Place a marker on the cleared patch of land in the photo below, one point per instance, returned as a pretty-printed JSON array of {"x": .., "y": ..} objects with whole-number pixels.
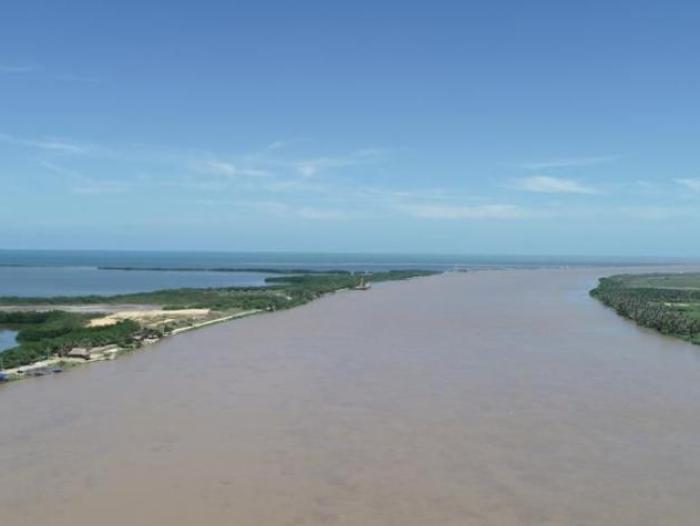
[{"x": 150, "y": 316}]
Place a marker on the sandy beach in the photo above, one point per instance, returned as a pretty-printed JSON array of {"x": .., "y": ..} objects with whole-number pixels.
[{"x": 484, "y": 398}]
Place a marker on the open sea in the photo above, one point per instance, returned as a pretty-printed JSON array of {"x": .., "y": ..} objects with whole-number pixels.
[{"x": 80, "y": 272}]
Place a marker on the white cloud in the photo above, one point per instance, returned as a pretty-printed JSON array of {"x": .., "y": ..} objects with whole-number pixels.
[
  {"x": 94, "y": 187},
  {"x": 690, "y": 184},
  {"x": 23, "y": 68},
  {"x": 33, "y": 68},
  {"x": 191, "y": 182},
  {"x": 552, "y": 185},
  {"x": 321, "y": 213},
  {"x": 81, "y": 184},
  {"x": 227, "y": 169},
  {"x": 50, "y": 144},
  {"x": 276, "y": 145},
  {"x": 645, "y": 185},
  {"x": 567, "y": 162},
  {"x": 69, "y": 77},
  {"x": 443, "y": 211},
  {"x": 280, "y": 209},
  {"x": 311, "y": 167},
  {"x": 660, "y": 212},
  {"x": 59, "y": 146},
  {"x": 59, "y": 169}
]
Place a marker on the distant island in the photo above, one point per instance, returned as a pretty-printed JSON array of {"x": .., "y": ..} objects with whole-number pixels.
[
  {"x": 54, "y": 332},
  {"x": 668, "y": 303}
]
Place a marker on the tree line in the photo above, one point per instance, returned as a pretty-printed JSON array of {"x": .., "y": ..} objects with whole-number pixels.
[{"x": 666, "y": 310}]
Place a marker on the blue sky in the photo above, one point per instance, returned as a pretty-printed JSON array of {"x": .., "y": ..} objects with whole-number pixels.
[{"x": 449, "y": 127}]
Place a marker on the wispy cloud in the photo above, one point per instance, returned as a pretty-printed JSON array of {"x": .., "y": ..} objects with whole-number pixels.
[
  {"x": 226, "y": 169},
  {"x": 286, "y": 210},
  {"x": 46, "y": 74},
  {"x": 81, "y": 184},
  {"x": 191, "y": 182},
  {"x": 276, "y": 186},
  {"x": 551, "y": 185},
  {"x": 60, "y": 170},
  {"x": 18, "y": 68},
  {"x": 69, "y": 77},
  {"x": 311, "y": 167},
  {"x": 277, "y": 145},
  {"x": 402, "y": 196},
  {"x": 323, "y": 214},
  {"x": 50, "y": 144},
  {"x": 445, "y": 211},
  {"x": 567, "y": 162},
  {"x": 59, "y": 145},
  {"x": 96, "y": 187},
  {"x": 690, "y": 184},
  {"x": 660, "y": 212}
]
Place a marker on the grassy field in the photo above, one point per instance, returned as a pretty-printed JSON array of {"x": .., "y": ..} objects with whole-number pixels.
[{"x": 669, "y": 303}]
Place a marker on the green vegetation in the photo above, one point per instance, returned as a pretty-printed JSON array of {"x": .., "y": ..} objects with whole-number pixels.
[
  {"x": 681, "y": 280},
  {"x": 282, "y": 292},
  {"x": 668, "y": 303},
  {"x": 304, "y": 288},
  {"x": 42, "y": 334}
]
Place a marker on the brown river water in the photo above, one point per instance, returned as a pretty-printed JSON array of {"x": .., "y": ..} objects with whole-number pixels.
[{"x": 494, "y": 398}]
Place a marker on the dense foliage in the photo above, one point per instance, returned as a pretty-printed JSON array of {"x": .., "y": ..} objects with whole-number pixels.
[
  {"x": 42, "y": 334},
  {"x": 47, "y": 325},
  {"x": 674, "y": 311}
]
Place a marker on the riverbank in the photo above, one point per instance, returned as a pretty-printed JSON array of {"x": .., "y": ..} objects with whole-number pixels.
[
  {"x": 102, "y": 353},
  {"x": 666, "y": 302},
  {"x": 52, "y": 331}
]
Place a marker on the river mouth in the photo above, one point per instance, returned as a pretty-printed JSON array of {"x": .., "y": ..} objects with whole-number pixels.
[{"x": 504, "y": 397}]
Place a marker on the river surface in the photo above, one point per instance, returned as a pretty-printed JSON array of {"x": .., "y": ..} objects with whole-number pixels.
[{"x": 483, "y": 398}]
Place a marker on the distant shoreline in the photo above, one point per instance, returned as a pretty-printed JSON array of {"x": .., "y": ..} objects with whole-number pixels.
[{"x": 277, "y": 270}]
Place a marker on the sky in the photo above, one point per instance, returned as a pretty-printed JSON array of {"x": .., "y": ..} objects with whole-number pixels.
[{"x": 456, "y": 127}]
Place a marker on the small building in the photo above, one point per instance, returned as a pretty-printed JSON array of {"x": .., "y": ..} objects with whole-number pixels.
[{"x": 79, "y": 352}]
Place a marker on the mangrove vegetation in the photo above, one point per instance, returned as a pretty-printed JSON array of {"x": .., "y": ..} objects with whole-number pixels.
[{"x": 668, "y": 303}]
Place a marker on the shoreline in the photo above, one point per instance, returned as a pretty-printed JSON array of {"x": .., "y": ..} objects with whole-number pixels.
[
  {"x": 112, "y": 351},
  {"x": 653, "y": 301},
  {"x": 152, "y": 322},
  {"x": 105, "y": 353}
]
